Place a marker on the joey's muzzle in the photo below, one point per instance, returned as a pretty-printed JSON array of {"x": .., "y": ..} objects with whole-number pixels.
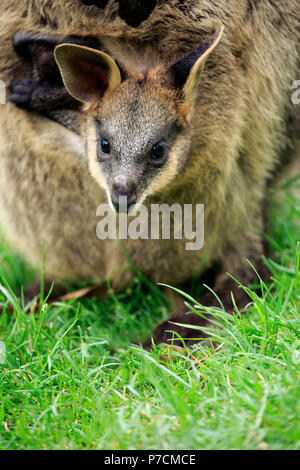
[{"x": 123, "y": 194}]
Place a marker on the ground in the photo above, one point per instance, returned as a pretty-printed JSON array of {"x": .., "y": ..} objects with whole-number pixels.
[{"x": 70, "y": 378}]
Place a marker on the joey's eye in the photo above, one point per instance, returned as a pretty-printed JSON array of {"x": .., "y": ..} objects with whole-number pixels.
[
  {"x": 104, "y": 146},
  {"x": 158, "y": 154}
]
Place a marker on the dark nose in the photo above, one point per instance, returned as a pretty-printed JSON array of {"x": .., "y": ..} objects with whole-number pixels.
[{"x": 123, "y": 194}]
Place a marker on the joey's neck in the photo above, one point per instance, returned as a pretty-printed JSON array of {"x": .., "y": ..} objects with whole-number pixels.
[{"x": 195, "y": 185}]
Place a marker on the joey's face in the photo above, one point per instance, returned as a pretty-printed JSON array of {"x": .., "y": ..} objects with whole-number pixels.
[
  {"x": 138, "y": 125},
  {"x": 134, "y": 143}
]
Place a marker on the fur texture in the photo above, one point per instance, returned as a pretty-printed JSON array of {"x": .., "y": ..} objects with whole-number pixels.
[{"x": 237, "y": 134}]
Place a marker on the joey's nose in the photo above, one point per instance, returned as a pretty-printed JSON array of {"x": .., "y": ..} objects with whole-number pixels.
[{"x": 123, "y": 193}]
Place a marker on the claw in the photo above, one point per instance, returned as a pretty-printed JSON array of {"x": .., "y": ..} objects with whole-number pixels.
[
  {"x": 18, "y": 100},
  {"x": 22, "y": 92}
]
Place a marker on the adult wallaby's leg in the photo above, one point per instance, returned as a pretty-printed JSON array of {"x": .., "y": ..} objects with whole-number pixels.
[
  {"x": 34, "y": 290},
  {"x": 168, "y": 332},
  {"x": 225, "y": 288},
  {"x": 44, "y": 91}
]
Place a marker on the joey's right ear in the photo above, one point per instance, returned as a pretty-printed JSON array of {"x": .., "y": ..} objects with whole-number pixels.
[{"x": 86, "y": 73}]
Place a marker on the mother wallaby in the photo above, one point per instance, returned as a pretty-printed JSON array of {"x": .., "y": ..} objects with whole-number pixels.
[{"x": 191, "y": 106}]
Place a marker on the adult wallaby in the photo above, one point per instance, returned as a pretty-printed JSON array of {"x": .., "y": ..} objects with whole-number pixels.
[{"x": 193, "y": 106}]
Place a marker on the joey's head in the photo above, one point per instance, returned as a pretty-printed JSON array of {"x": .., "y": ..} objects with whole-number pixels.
[{"x": 138, "y": 125}]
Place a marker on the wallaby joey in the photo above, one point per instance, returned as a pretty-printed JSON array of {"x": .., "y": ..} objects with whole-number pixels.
[{"x": 191, "y": 107}]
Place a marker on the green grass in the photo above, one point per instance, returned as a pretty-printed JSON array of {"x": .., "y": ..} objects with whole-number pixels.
[{"x": 72, "y": 380}]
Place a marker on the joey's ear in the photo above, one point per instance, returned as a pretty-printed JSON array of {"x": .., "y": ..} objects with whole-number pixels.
[
  {"x": 86, "y": 73},
  {"x": 186, "y": 71}
]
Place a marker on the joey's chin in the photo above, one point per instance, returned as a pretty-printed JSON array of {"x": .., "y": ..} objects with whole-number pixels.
[
  {"x": 131, "y": 211},
  {"x": 123, "y": 205}
]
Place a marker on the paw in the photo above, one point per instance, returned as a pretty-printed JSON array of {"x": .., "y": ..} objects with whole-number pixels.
[
  {"x": 170, "y": 333},
  {"x": 22, "y": 92},
  {"x": 133, "y": 12},
  {"x": 97, "y": 3},
  {"x": 33, "y": 290},
  {"x": 179, "y": 335}
]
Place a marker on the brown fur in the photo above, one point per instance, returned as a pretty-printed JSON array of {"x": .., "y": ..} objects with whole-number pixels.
[{"x": 47, "y": 195}]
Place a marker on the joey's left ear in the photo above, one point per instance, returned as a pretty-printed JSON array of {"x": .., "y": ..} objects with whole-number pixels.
[{"x": 187, "y": 71}]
